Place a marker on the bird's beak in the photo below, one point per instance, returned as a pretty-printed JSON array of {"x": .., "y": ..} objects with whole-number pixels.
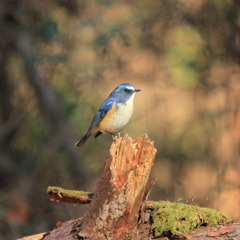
[{"x": 137, "y": 90}]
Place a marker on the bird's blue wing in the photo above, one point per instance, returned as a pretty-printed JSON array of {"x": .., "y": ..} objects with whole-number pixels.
[{"x": 101, "y": 113}]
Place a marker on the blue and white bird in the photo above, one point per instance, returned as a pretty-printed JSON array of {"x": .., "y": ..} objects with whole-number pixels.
[{"x": 114, "y": 113}]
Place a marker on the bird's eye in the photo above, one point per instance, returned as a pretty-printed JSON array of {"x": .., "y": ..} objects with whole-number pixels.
[{"x": 127, "y": 90}]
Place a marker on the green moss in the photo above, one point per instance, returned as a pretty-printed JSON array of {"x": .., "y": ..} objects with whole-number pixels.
[
  {"x": 60, "y": 191},
  {"x": 180, "y": 219}
]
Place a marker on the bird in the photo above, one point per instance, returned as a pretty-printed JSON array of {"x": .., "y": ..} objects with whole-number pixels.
[{"x": 114, "y": 113}]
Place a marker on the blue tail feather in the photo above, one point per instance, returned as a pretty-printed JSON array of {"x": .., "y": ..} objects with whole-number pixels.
[{"x": 83, "y": 139}]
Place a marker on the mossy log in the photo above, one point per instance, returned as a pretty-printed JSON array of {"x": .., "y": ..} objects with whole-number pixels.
[
  {"x": 118, "y": 208},
  {"x": 179, "y": 219},
  {"x": 58, "y": 194}
]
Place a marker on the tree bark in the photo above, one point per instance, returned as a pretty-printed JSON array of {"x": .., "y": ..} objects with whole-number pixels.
[{"x": 114, "y": 210}]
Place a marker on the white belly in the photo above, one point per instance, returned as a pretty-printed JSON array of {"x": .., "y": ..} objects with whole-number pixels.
[{"x": 119, "y": 118}]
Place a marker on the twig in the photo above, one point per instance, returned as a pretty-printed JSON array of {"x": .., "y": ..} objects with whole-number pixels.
[{"x": 58, "y": 194}]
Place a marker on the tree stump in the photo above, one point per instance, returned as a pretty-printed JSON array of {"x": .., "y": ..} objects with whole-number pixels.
[{"x": 114, "y": 210}]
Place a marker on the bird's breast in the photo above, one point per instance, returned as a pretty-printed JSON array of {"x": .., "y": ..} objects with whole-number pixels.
[{"x": 118, "y": 118}]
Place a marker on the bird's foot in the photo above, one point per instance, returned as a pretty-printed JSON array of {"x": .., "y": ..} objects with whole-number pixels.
[{"x": 115, "y": 136}]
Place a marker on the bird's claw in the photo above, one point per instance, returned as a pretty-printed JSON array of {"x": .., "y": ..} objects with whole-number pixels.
[{"x": 115, "y": 136}]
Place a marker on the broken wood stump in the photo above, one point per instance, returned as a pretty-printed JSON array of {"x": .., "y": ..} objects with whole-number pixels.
[
  {"x": 114, "y": 210},
  {"x": 121, "y": 189}
]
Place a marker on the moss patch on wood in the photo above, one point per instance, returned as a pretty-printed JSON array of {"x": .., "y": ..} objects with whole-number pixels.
[
  {"x": 180, "y": 219},
  {"x": 60, "y": 191},
  {"x": 59, "y": 194}
]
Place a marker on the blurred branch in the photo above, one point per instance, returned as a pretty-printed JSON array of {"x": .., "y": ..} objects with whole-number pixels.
[
  {"x": 10, "y": 122},
  {"x": 11, "y": 125},
  {"x": 49, "y": 106}
]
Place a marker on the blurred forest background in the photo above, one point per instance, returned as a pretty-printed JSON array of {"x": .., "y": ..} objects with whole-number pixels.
[{"x": 60, "y": 59}]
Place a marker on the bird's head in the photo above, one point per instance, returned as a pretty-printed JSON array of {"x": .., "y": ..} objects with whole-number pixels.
[{"x": 124, "y": 92}]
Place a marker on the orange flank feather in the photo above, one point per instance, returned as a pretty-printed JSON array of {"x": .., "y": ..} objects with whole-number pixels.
[{"x": 106, "y": 120}]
